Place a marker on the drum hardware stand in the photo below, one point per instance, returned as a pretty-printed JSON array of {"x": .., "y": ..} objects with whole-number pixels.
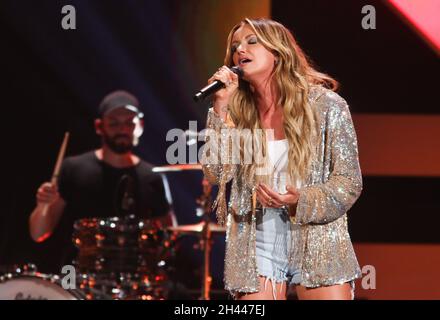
[
  {"x": 205, "y": 203},
  {"x": 204, "y": 209}
]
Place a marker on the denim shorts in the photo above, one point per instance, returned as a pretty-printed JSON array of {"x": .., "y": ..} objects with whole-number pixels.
[{"x": 274, "y": 245}]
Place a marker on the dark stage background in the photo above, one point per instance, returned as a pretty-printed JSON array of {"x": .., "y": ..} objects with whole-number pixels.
[{"x": 162, "y": 51}]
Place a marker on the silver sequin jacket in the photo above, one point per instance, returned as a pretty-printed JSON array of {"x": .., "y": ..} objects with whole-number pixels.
[{"x": 323, "y": 248}]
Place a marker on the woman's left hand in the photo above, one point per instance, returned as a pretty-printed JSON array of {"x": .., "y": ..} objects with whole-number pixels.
[{"x": 272, "y": 199}]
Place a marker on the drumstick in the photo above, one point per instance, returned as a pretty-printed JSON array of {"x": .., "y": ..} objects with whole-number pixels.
[
  {"x": 56, "y": 170},
  {"x": 60, "y": 158}
]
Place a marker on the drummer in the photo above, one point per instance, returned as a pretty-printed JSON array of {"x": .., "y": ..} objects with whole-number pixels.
[{"x": 107, "y": 182}]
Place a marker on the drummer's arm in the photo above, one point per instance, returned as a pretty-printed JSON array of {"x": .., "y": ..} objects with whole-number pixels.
[{"x": 43, "y": 221}]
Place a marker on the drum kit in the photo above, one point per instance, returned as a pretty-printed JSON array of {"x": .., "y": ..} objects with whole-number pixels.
[{"x": 120, "y": 258}]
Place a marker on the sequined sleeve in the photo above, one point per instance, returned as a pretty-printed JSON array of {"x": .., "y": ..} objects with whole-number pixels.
[
  {"x": 326, "y": 202},
  {"x": 213, "y": 152},
  {"x": 216, "y": 160}
]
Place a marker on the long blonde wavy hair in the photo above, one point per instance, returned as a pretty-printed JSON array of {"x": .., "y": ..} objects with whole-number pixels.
[{"x": 293, "y": 75}]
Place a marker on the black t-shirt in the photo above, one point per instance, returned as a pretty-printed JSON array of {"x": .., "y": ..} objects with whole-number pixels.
[{"x": 92, "y": 188}]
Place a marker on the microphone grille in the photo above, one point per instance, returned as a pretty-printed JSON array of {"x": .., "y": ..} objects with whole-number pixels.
[{"x": 238, "y": 71}]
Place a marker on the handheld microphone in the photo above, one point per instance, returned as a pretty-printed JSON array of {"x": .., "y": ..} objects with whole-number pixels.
[{"x": 215, "y": 86}]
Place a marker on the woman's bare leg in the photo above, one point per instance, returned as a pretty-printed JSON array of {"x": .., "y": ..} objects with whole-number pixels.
[
  {"x": 266, "y": 293},
  {"x": 336, "y": 292}
]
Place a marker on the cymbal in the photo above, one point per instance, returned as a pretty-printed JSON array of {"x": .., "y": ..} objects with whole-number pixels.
[
  {"x": 178, "y": 167},
  {"x": 197, "y": 228}
]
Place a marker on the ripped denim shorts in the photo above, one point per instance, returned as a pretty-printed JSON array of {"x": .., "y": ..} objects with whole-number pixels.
[{"x": 273, "y": 247}]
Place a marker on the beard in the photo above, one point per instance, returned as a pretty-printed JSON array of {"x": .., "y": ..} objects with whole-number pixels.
[{"x": 118, "y": 147}]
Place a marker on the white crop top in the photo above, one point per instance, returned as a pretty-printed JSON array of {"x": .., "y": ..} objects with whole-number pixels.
[
  {"x": 278, "y": 156},
  {"x": 278, "y": 152}
]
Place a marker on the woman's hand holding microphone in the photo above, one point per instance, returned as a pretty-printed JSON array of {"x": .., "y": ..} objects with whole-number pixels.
[{"x": 222, "y": 96}]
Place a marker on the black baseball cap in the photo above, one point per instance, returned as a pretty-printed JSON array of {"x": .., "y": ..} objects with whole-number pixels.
[{"x": 119, "y": 99}]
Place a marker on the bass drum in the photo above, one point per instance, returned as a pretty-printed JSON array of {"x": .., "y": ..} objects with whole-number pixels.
[{"x": 35, "y": 286}]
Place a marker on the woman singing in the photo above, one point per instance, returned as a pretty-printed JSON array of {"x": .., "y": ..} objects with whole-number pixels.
[{"x": 287, "y": 215}]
